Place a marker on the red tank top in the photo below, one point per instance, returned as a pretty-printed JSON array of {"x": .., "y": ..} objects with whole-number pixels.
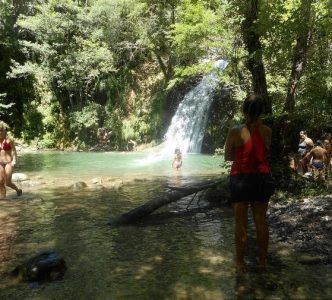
[
  {"x": 251, "y": 157},
  {"x": 5, "y": 145}
]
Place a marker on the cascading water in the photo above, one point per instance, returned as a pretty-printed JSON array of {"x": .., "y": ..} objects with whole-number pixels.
[{"x": 188, "y": 124}]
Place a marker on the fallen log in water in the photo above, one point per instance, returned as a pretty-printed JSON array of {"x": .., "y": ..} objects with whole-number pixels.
[{"x": 171, "y": 195}]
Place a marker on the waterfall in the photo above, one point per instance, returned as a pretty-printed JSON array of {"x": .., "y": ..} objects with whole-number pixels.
[{"x": 188, "y": 124}]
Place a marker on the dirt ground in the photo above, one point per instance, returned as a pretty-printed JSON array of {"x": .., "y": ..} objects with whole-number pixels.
[{"x": 304, "y": 225}]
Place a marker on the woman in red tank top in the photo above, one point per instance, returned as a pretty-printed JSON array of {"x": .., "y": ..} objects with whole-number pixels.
[
  {"x": 247, "y": 147},
  {"x": 8, "y": 158}
]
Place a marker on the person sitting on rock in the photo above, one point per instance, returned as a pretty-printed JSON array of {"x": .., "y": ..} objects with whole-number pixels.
[{"x": 8, "y": 160}]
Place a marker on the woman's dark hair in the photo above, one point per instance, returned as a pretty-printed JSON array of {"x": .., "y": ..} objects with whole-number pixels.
[{"x": 253, "y": 106}]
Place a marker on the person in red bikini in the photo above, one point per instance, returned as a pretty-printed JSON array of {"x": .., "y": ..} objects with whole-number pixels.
[
  {"x": 8, "y": 159},
  {"x": 247, "y": 146}
]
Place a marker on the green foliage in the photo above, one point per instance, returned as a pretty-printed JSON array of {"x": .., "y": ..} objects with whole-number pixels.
[
  {"x": 33, "y": 124},
  {"x": 85, "y": 123},
  {"x": 67, "y": 50},
  {"x": 71, "y": 67},
  {"x": 198, "y": 34},
  {"x": 4, "y": 108},
  {"x": 13, "y": 91}
]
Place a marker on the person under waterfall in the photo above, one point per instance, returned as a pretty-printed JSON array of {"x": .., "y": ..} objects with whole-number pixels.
[
  {"x": 8, "y": 159},
  {"x": 177, "y": 160},
  {"x": 247, "y": 146}
]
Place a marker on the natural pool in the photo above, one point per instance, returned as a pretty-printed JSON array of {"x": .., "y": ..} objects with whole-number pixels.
[{"x": 177, "y": 253}]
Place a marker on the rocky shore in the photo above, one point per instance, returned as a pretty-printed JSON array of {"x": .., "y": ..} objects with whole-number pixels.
[{"x": 304, "y": 225}]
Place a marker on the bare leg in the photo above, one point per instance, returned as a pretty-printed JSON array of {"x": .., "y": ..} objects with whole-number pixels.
[
  {"x": 259, "y": 212},
  {"x": 8, "y": 173},
  {"x": 2, "y": 183},
  {"x": 241, "y": 223}
]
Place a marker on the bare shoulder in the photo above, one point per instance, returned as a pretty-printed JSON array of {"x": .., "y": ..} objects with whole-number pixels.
[
  {"x": 10, "y": 140},
  {"x": 309, "y": 141}
]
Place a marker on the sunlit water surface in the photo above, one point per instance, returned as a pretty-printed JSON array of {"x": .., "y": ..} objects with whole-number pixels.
[{"x": 179, "y": 252}]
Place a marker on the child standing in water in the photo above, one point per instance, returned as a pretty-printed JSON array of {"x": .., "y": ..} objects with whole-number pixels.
[{"x": 177, "y": 161}]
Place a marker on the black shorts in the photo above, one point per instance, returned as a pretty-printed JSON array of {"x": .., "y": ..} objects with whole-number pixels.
[{"x": 246, "y": 188}]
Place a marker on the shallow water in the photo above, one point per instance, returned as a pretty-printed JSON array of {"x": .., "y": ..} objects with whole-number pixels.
[{"x": 177, "y": 253}]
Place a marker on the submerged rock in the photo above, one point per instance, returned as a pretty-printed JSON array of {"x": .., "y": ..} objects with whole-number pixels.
[
  {"x": 97, "y": 180},
  {"x": 116, "y": 184},
  {"x": 78, "y": 186},
  {"x": 45, "y": 266}
]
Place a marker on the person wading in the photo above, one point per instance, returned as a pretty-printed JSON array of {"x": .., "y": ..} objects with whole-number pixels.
[
  {"x": 247, "y": 146},
  {"x": 8, "y": 159}
]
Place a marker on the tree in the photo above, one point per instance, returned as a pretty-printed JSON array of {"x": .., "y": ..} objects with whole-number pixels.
[
  {"x": 251, "y": 37},
  {"x": 14, "y": 93},
  {"x": 67, "y": 54},
  {"x": 300, "y": 51}
]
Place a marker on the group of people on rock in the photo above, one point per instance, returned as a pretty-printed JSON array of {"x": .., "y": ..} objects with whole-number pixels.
[{"x": 314, "y": 159}]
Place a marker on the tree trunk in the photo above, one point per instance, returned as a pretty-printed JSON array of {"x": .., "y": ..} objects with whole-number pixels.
[
  {"x": 162, "y": 65},
  {"x": 254, "y": 47},
  {"x": 170, "y": 196},
  {"x": 300, "y": 53},
  {"x": 62, "y": 126}
]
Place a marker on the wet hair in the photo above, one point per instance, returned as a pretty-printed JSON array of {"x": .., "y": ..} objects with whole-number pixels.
[{"x": 253, "y": 107}]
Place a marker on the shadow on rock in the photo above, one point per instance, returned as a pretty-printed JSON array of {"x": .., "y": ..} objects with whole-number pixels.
[{"x": 45, "y": 266}]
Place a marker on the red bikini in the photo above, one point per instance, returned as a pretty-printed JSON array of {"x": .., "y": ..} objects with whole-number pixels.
[
  {"x": 251, "y": 157},
  {"x": 5, "y": 145}
]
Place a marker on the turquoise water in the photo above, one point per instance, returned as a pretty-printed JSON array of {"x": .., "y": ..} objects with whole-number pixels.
[
  {"x": 179, "y": 252},
  {"x": 115, "y": 164}
]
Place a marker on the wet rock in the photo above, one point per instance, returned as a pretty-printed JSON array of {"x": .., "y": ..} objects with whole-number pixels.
[
  {"x": 116, "y": 184},
  {"x": 217, "y": 196},
  {"x": 97, "y": 180},
  {"x": 19, "y": 177},
  {"x": 78, "y": 186},
  {"x": 140, "y": 179},
  {"x": 98, "y": 187},
  {"x": 45, "y": 266},
  {"x": 32, "y": 183}
]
